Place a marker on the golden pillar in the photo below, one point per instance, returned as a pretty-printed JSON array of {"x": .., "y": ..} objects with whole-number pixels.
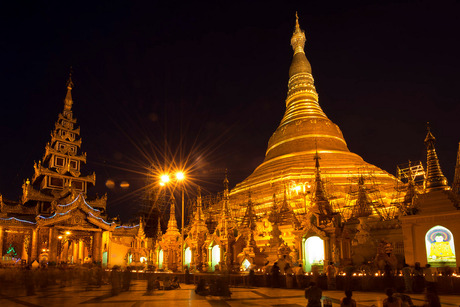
[
  {"x": 34, "y": 252},
  {"x": 53, "y": 245},
  {"x": 81, "y": 255},
  {"x": 75, "y": 252},
  {"x": 97, "y": 250},
  {"x": 2, "y": 231}
]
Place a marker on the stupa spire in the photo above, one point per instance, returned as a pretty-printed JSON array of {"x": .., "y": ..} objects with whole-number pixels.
[
  {"x": 159, "y": 232},
  {"x": 172, "y": 223},
  {"x": 435, "y": 179},
  {"x": 68, "y": 101},
  {"x": 199, "y": 206}
]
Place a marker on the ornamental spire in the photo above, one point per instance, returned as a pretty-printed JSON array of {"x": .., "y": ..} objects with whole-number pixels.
[
  {"x": 199, "y": 212},
  {"x": 435, "y": 179},
  {"x": 298, "y": 38},
  {"x": 68, "y": 97},
  {"x": 172, "y": 223}
]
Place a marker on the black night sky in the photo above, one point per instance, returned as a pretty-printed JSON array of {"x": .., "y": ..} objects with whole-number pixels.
[{"x": 211, "y": 79}]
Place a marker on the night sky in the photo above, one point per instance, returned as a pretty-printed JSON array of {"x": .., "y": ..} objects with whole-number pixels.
[{"x": 209, "y": 80}]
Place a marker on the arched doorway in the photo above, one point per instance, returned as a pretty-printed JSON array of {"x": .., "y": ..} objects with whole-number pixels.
[
  {"x": 160, "y": 259},
  {"x": 215, "y": 257},
  {"x": 187, "y": 256},
  {"x": 440, "y": 248},
  {"x": 313, "y": 252}
]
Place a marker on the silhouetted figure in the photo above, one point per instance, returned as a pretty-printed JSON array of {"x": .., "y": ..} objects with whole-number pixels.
[
  {"x": 313, "y": 294},
  {"x": 407, "y": 275},
  {"x": 391, "y": 301},
  {"x": 115, "y": 280},
  {"x": 300, "y": 277},
  {"x": 431, "y": 297},
  {"x": 331, "y": 272},
  {"x": 150, "y": 283},
  {"x": 252, "y": 278},
  {"x": 187, "y": 276},
  {"x": 175, "y": 283},
  {"x": 347, "y": 301},
  {"x": 29, "y": 281},
  {"x": 406, "y": 301},
  {"x": 430, "y": 278},
  {"x": 289, "y": 276},
  {"x": 126, "y": 279},
  {"x": 275, "y": 272},
  {"x": 419, "y": 280},
  {"x": 201, "y": 288},
  {"x": 388, "y": 275}
]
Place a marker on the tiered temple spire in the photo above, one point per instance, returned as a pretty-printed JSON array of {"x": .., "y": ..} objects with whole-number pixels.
[
  {"x": 172, "y": 223},
  {"x": 59, "y": 174},
  {"x": 435, "y": 179}
]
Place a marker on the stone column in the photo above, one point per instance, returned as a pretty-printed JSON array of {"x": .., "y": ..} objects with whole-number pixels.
[
  {"x": 34, "y": 249},
  {"x": 2, "y": 231},
  {"x": 97, "y": 248},
  {"x": 53, "y": 245}
]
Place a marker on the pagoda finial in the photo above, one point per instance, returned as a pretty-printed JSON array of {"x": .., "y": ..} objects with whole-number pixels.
[
  {"x": 159, "y": 232},
  {"x": 298, "y": 38},
  {"x": 68, "y": 97},
  {"x": 435, "y": 179},
  {"x": 226, "y": 181},
  {"x": 199, "y": 213},
  {"x": 172, "y": 223}
]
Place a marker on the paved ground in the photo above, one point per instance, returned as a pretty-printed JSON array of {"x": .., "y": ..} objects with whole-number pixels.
[{"x": 72, "y": 296}]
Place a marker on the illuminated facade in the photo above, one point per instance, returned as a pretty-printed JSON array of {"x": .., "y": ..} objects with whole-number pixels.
[{"x": 54, "y": 221}]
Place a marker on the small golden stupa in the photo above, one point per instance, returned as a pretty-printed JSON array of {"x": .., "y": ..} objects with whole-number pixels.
[{"x": 304, "y": 131}]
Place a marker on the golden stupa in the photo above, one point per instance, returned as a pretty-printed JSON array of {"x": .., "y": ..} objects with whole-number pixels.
[{"x": 304, "y": 131}]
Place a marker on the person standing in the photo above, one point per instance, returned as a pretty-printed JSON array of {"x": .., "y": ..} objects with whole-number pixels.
[
  {"x": 275, "y": 275},
  {"x": 331, "y": 272},
  {"x": 430, "y": 278},
  {"x": 407, "y": 275},
  {"x": 419, "y": 281},
  {"x": 313, "y": 294}
]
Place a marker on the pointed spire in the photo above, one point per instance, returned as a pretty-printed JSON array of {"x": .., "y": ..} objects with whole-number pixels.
[
  {"x": 199, "y": 210},
  {"x": 172, "y": 223},
  {"x": 456, "y": 182},
  {"x": 435, "y": 179},
  {"x": 225, "y": 212},
  {"x": 68, "y": 97},
  {"x": 159, "y": 232},
  {"x": 363, "y": 204},
  {"x": 298, "y": 38}
]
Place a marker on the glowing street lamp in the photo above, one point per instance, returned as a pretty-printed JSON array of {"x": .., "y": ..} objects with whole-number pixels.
[{"x": 179, "y": 179}]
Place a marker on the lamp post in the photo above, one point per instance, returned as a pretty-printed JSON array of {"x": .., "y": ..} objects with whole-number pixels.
[{"x": 179, "y": 180}]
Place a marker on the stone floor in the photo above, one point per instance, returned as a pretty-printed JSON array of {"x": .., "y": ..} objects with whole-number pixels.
[{"x": 71, "y": 296}]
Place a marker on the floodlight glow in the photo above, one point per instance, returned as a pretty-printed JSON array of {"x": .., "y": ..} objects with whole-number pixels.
[
  {"x": 162, "y": 183},
  {"x": 164, "y": 178},
  {"x": 180, "y": 176}
]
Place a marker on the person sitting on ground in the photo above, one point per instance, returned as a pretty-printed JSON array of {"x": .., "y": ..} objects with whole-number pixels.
[
  {"x": 201, "y": 288},
  {"x": 156, "y": 284},
  {"x": 167, "y": 284},
  {"x": 175, "y": 283},
  {"x": 347, "y": 301},
  {"x": 391, "y": 301},
  {"x": 313, "y": 294},
  {"x": 406, "y": 301},
  {"x": 431, "y": 297}
]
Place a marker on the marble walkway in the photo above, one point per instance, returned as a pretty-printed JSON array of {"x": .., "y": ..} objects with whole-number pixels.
[{"x": 73, "y": 296}]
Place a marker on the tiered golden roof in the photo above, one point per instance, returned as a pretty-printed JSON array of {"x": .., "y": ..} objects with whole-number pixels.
[{"x": 304, "y": 130}]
